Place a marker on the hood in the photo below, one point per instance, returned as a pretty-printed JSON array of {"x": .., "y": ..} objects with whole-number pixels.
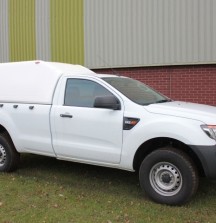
[{"x": 203, "y": 113}]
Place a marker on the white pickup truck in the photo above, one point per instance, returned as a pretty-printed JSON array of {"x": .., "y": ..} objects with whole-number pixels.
[{"x": 71, "y": 113}]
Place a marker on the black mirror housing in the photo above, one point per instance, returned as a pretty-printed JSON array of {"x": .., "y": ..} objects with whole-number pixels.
[{"x": 108, "y": 102}]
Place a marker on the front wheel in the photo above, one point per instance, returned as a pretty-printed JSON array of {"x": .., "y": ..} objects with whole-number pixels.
[{"x": 168, "y": 176}]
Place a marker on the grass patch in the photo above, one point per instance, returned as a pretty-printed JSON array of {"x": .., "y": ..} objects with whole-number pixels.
[{"x": 46, "y": 190}]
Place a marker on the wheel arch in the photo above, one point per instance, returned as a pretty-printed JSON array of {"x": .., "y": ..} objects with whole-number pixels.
[
  {"x": 156, "y": 143},
  {"x": 3, "y": 130},
  {"x": 10, "y": 157}
]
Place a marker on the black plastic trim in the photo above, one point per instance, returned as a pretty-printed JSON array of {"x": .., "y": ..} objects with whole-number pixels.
[
  {"x": 207, "y": 156},
  {"x": 127, "y": 122}
]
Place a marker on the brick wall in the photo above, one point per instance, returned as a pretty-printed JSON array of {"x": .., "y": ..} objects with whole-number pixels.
[{"x": 195, "y": 83}]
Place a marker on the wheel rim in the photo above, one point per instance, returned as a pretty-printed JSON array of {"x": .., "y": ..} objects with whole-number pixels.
[
  {"x": 2, "y": 155},
  {"x": 165, "y": 179}
]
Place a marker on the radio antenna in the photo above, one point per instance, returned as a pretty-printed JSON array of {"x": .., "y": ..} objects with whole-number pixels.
[{"x": 108, "y": 65}]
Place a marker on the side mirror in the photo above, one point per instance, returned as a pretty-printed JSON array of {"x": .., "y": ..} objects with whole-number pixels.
[{"x": 108, "y": 102}]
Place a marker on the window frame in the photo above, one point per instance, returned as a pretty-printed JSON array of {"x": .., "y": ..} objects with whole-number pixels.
[{"x": 85, "y": 79}]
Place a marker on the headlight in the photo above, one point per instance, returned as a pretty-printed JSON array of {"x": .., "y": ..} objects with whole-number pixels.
[{"x": 210, "y": 130}]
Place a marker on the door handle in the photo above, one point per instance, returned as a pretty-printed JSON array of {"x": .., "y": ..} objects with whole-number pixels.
[{"x": 66, "y": 116}]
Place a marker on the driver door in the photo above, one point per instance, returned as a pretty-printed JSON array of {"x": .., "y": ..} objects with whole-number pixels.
[{"x": 82, "y": 132}]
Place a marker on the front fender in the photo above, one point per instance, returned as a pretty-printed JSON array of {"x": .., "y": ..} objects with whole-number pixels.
[{"x": 152, "y": 126}]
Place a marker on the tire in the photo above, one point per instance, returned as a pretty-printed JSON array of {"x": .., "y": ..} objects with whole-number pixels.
[
  {"x": 168, "y": 176},
  {"x": 9, "y": 157}
]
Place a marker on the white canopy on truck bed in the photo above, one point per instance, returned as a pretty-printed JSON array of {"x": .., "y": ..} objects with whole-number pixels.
[{"x": 33, "y": 81}]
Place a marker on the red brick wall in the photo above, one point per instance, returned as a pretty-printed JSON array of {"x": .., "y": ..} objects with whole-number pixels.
[{"x": 186, "y": 83}]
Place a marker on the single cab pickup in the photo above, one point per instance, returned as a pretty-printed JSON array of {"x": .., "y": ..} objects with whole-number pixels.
[{"x": 71, "y": 113}]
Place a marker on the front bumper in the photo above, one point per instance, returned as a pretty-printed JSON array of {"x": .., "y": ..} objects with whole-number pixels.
[{"x": 207, "y": 157}]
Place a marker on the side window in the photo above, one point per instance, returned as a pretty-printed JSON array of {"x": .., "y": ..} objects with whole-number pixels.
[{"x": 82, "y": 93}]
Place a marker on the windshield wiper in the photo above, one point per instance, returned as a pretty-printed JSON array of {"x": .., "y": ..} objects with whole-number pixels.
[{"x": 162, "y": 101}]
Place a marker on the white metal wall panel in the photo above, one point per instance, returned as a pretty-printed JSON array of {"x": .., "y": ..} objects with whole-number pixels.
[
  {"x": 4, "y": 39},
  {"x": 42, "y": 13},
  {"x": 123, "y": 33}
]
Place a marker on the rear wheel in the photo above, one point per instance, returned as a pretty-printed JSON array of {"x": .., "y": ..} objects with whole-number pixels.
[
  {"x": 168, "y": 176},
  {"x": 9, "y": 157}
]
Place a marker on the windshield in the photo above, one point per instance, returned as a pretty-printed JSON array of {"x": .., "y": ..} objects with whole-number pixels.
[{"x": 136, "y": 91}]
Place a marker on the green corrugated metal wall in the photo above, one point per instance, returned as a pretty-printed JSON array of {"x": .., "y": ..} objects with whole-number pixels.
[
  {"x": 67, "y": 41},
  {"x": 21, "y": 30},
  {"x": 66, "y": 30},
  {"x": 102, "y": 33}
]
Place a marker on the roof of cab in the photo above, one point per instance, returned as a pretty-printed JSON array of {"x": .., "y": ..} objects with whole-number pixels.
[{"x": 34, "y": 81}]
